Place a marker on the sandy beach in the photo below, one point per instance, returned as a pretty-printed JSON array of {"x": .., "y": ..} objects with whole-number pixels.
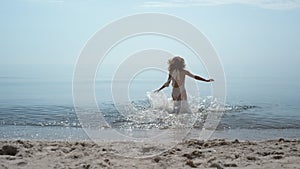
[{"x": 218, "y": 153}]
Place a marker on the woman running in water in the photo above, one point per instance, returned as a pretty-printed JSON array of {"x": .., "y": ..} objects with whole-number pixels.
[{"x": 177, "y": 75}]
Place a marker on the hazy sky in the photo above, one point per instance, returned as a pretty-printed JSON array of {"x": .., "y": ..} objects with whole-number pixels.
[{"x": 252, "y": 37}]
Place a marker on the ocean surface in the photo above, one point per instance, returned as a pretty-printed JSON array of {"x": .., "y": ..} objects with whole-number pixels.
[{"x": 42, "y": 108}]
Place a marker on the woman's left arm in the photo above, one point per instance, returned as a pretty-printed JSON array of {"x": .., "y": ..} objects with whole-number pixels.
[{"x": 198, "y": 77}]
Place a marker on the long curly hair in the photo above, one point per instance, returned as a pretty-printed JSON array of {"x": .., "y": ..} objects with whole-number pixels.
[{"x": 176, "y": 62}]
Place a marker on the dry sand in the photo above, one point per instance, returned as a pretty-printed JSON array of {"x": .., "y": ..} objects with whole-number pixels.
[{"x": 187, "y": 154}]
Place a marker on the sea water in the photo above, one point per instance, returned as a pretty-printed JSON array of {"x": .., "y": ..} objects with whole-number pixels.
[{"x": 42, "y": 108}]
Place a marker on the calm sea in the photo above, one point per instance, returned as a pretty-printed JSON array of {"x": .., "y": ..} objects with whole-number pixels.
[{"x": 41, "y": 108}]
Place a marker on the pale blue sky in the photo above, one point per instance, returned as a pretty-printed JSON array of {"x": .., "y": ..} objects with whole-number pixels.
[{"x": 254, "y": 38}]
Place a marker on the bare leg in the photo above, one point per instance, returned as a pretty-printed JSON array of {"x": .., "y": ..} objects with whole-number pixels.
[
  {"x": 176, "y": 107},
  {"x": 178, "y": 95}
]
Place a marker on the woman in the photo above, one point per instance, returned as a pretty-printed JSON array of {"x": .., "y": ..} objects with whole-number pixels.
[{"x": 177, "y": 75}]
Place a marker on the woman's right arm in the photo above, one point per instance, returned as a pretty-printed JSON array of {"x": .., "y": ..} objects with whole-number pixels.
[{"x": 164, "y": 85}]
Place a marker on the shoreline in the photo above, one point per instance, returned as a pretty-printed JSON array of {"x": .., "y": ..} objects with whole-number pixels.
[
  {"x": 78, "y": 134},
  {"x": 191, "y": 153}
]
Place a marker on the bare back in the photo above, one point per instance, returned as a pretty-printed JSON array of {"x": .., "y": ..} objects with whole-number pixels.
[{"x": 179, "y": 79}]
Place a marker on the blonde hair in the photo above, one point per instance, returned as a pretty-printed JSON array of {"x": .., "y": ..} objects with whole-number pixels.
[{"x": 176, "y": 62}]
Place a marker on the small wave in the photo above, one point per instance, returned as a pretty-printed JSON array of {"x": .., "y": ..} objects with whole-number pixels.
[
  {"x": 38, "y": 115},
  {"x": 239, "y": 108}
]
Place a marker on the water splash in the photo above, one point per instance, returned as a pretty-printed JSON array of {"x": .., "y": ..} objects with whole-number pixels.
[{"x": 158, "y": 113}]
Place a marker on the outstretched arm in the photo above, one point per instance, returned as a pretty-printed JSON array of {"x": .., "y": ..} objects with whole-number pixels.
[
  {"x": 198, "y": 77},
  {"x": 164, "y": 85}
]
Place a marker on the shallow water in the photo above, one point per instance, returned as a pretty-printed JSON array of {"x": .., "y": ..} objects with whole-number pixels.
[
  {"x": 145, "y": 114},
  {"x": 34, "y": 104}
]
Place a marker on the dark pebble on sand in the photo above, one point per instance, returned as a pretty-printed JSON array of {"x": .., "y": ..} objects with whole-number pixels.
[
  {"x": 236, "y": 141},
  {"x": 157, "y": 159},
  {"x": 11, "y": 158},
  {"x": 9, "y": 150},
  {"x": 178, "y": 149},
  {"x": 222, "y": 143},
  {"x": 193, "y": 154},
  {"x": 107, "y": 161},
  {"x": 195, "y": 143},
  {"x": 197, "y": 153},
  {"x": 21, "y": 163},
  {"x": 277, "y": 157},
  {"x": 191, "y": 163},
  {"x": 85, "y": 166},
  {"x": 25, "y": 144},
  {"x": 278, "y": 153},
  {"x": 230, "y": 165},
  {"x": 189, "y": 156},
  {"x": 76, "y": 156},
  {"x": 263, "y": 153},
  {"x": 211, "y": 159},
  {"x": 216, "y": 165},
  {"x": 252, "y": 158},
  {"x": 206, "y": 144}
]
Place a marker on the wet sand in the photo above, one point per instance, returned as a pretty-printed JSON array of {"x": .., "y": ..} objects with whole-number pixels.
[{"x": 193, "y": 153}]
